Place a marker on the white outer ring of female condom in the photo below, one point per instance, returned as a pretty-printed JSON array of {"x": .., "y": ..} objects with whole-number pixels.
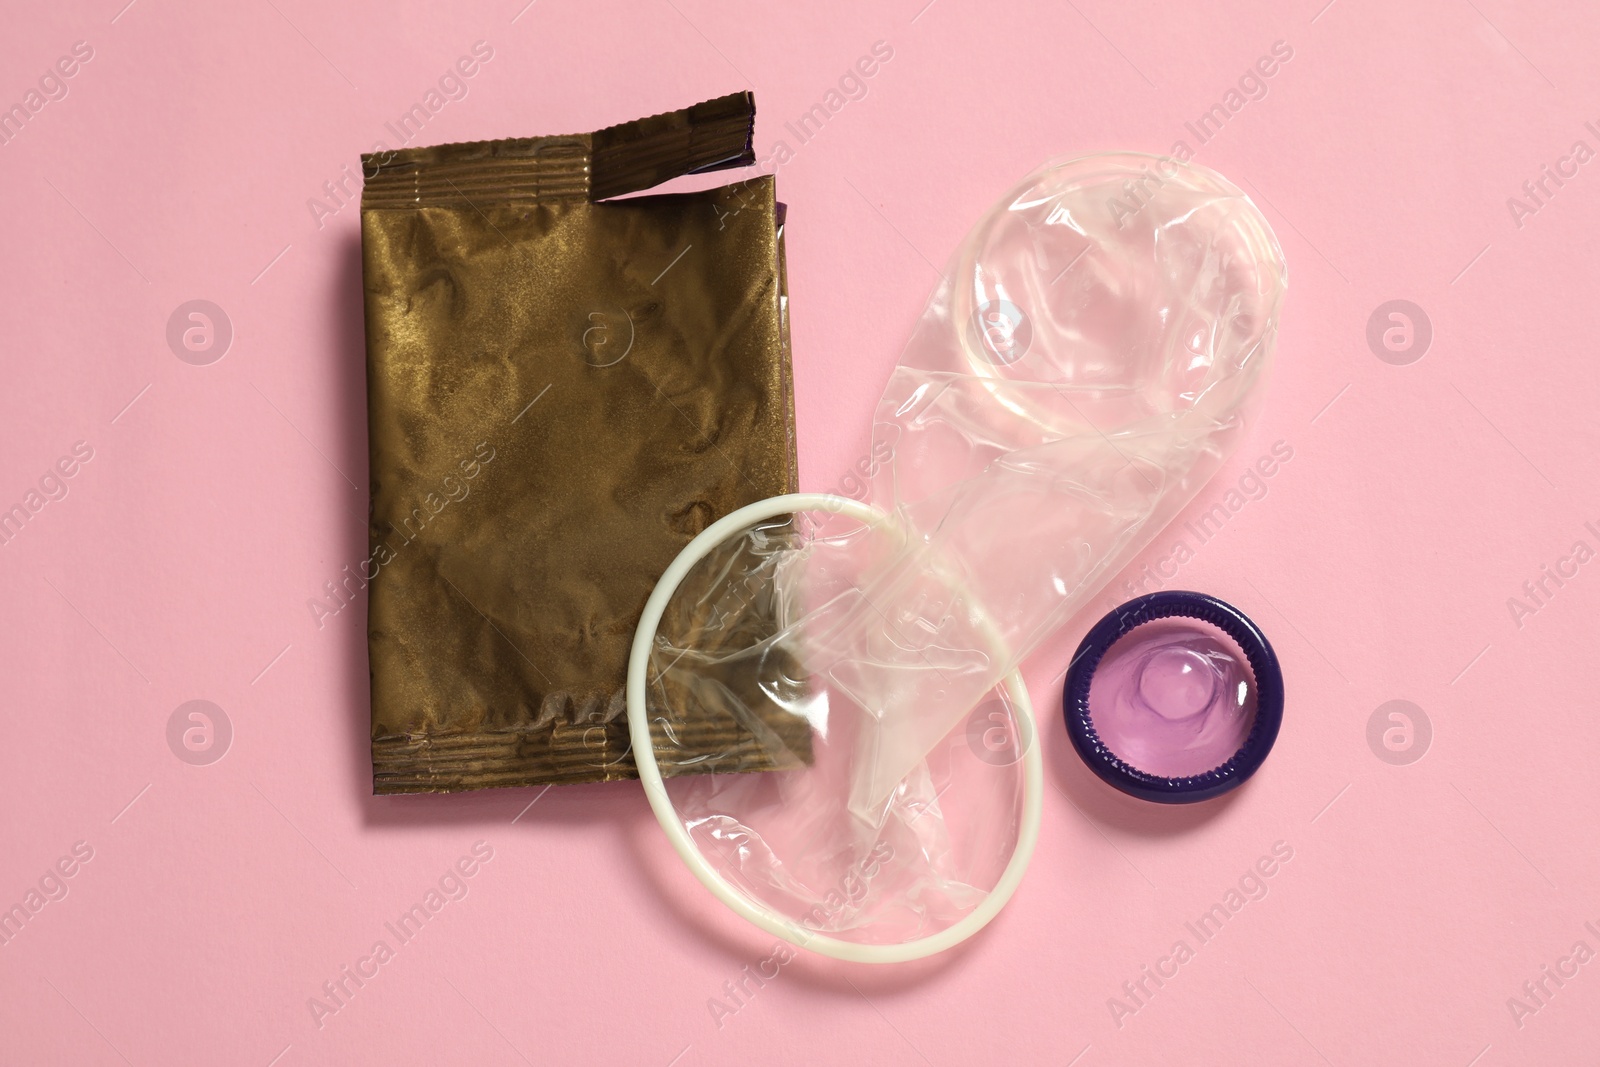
[{"x": 655, "y": 788}]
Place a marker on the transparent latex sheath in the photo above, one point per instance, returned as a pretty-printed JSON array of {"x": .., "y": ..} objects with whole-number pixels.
[{"x": 1095, "y": 352}]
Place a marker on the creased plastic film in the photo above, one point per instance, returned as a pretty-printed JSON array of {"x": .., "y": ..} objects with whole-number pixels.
[{"x": 1093, "y": 354}]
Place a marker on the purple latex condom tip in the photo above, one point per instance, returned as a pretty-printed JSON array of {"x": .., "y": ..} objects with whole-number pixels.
[{"x": 1174, "y": 697}]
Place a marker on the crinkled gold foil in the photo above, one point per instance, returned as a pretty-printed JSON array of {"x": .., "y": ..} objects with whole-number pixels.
[{"x": 562, "y": 392}]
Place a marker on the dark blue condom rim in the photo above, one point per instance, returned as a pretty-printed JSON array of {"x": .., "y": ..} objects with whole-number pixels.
[{"x": 1169, "y": 604}]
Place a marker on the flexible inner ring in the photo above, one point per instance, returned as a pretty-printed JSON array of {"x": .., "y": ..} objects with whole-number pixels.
[{"x": 655, "y": 788}]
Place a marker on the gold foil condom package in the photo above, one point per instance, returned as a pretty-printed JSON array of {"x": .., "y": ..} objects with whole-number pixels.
[
  {"x": 1095, "y": 351},
  {"x": 564, "y": 388}
]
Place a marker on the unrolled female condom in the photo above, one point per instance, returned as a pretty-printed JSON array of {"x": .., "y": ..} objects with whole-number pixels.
[{"x": 1094, "y": 353}]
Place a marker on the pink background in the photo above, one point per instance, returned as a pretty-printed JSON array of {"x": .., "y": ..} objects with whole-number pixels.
[{"x": 1419, "y": 498}]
